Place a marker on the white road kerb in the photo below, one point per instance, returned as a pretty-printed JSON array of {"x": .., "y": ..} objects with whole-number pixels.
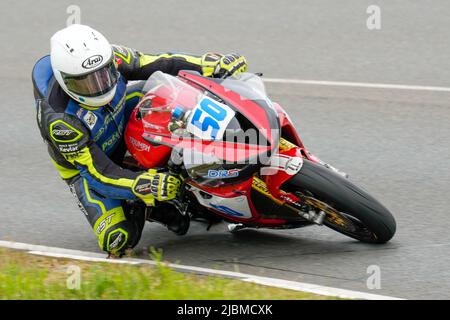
[{"x": 273, "y": 282}]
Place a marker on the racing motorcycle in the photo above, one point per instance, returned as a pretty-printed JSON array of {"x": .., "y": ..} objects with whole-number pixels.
[{"x": 242, "y": 159}]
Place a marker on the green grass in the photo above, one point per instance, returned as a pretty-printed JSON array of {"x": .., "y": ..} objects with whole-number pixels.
[{"x": 25, "y": 276}]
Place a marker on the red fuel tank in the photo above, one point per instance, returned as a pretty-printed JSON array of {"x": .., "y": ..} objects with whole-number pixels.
[{"x": 149, "y": 155}]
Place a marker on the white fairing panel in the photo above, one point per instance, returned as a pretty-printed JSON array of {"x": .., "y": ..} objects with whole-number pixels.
[{"x": 234, "y": 207}]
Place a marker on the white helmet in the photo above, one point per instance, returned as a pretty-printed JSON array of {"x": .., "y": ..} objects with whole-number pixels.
[{"x": 83, "y": 64}]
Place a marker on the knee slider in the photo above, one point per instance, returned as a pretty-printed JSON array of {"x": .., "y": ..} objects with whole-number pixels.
[{"x": 120, "y": 237}]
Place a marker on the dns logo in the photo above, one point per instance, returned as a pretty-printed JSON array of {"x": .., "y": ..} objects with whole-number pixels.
[{"x": 215, "y": 174}]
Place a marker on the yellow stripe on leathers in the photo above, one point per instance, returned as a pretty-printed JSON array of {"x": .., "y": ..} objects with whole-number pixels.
[
  {"x": 84, "y": 158},
  {"x": 64, "y": 172},
  {"x": 147, "y": 59},
  {"x": 107, "y": 219}
]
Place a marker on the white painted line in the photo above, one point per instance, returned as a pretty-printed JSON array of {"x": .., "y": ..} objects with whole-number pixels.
[
  {"x": 279, "y": 283},
  {"x": 357, "y": 84},
  {"x": 82, "y": 258},
  {"x": 317, "y": 289}
]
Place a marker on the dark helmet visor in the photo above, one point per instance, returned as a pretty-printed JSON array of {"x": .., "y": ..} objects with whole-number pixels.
[{"x": 93, "y": 84}]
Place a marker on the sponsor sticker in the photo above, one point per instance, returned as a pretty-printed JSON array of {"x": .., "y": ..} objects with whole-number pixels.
[
  {"x": 281, "y": 162},
  {"x": 63, "y": 132},
  {"x": 92, "y": 62},
  {"x": 223, "y": 173},
  {"x": 209, "y": 119},
  {"x": 68, "y": 147},
  {"x": 227, "y": 210},
  {"x": 105, "y": 222},
  {"x": 120, "y": 50},
  {"x": 90, "y": 119},
  {"x": 139, "y": 145},
  {"x": 293, "y": 165},
  {"x": 116, "y": 241},
  {"x": 108, "y": 143},
  {"x": 79, "y": 112},
  {"x": 237, "y": 206},
  {"x": 144, "y": 186}
]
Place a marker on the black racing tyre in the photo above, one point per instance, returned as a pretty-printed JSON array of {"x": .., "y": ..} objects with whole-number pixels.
[{"x": 363, "y": 217}]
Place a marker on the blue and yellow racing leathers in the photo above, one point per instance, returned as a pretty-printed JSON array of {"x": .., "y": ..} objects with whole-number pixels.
[{"x": 86, "y": 144}]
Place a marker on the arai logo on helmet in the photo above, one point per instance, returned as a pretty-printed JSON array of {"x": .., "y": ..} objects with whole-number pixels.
[{"x": 92, "y": 62}]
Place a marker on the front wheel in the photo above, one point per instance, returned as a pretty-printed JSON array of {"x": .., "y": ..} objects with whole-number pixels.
[{"x": 349, "y": 209}]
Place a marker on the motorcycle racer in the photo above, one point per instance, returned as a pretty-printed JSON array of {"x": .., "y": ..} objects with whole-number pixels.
[{"x": 83, "y": 105}]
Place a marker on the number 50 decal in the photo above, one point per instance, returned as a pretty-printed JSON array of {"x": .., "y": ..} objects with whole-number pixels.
[{"x": 210, "y": 119}]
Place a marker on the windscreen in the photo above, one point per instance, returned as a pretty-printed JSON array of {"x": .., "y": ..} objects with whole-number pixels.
[
  {"x": 215, "y": 140},
  {"x": 251, "y": 87}
]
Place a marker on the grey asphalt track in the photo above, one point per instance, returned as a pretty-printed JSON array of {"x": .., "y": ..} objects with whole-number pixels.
[{"x": 393, "y": 143}]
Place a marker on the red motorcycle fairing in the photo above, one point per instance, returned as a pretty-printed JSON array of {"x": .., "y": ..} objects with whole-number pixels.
[
  {"x": 227, "y": 194},
  {"x": 177, "y": 111},
  {"x": 276, "y": 180},
  {"x": 148, "y": 155},
  {"x": 248, "y": 108},
  {"x": 219, "y": 199}
]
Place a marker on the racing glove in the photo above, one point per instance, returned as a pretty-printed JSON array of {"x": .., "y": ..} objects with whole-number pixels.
[
  {"x": 151, "y": 186},
  {"x": 219, "y": 66}
]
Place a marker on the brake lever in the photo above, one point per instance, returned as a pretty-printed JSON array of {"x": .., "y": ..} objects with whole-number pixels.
[{"x": 225, "y": 75}]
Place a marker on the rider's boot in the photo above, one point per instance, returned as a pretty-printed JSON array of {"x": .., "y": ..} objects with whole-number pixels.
[{"x": 169, "y": 216}]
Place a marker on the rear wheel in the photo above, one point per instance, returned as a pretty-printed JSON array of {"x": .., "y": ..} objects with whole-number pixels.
[{"x": 349, "y": 209}]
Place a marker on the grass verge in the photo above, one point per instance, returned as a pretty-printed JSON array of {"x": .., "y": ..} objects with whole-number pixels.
[{"x": 25, "y": 276}]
